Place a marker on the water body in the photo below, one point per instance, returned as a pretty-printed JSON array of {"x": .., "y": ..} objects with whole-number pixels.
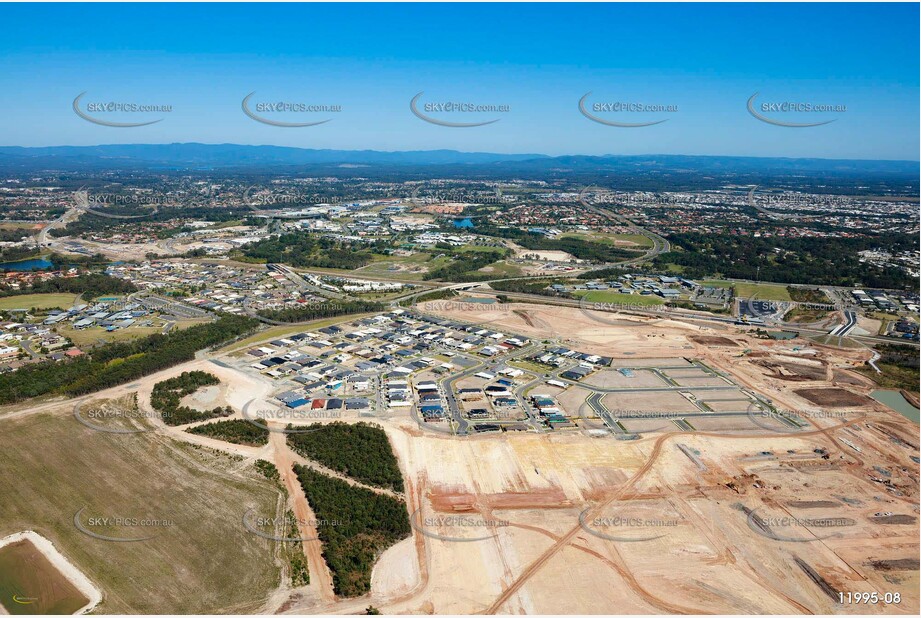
[
  {"x": 895, "y": 400},
  {"x": 31, "y": 584},
  {"x": 23, "y": 265},
  {"x": 471, "y": 299},
  {"x": 463, "y": 222}
]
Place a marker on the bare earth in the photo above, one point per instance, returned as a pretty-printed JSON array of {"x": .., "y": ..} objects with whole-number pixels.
[{"x": 573, "y": 523}]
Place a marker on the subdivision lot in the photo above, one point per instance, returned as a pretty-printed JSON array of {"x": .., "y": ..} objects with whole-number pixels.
[
  {"x": 689, "y": 372},
  {"x": 702, "y": 380},
  {"x": 637, "y": 378},
  {"x": 651, "y": 362},
  {"x": 663, "y": 401},
  {"x": 730, "y": 404}
]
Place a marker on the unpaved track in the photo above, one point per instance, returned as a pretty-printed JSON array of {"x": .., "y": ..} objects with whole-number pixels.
[
  {"x": 566, "y": 539},
  {"x": 321, "y": 580}
]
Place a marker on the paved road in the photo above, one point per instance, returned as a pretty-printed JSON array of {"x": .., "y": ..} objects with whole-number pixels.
[
  {"x": 81, "y": 202},
  {"x": 306, "y": 286},
  {"x": 659, "y": 244},
  {"x": 843, "y": 330}
]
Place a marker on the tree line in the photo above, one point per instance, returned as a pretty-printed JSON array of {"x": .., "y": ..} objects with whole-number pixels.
[
  {"x": 237, "y": 431},
  {"x": 119, "y": 363},
  {"x": 316, "y": 311},
  {"x": 91, "y": 285}
]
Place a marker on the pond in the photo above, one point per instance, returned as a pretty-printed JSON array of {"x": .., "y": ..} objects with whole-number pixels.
[
  {"x": 21, "y": 265},
  {"x": 31, "y": 584},
  {"x": 895, "y": 400},
  {"x": 463, "y": 222},
  {"x": 473, "y": 299}
]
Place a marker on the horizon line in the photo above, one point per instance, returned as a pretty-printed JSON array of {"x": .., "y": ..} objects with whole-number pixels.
[{"x": 470, "y": 152}]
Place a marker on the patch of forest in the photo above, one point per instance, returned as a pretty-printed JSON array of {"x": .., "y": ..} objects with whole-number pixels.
[
  {"x": 317, "y": 311},
  {"x": 355, "y": 525},
  {"x": 305, "y": 251},
  {"x": 237, "y": 431},
  {"x": 166, "y": 396},
  {"x": 358, "y": 450}
]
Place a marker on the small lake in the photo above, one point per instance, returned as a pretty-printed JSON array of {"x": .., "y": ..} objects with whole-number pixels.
[
  {"x": 472, "y": 299},
  {"x": 463, "y": 223},
  {"x": 895, "y": 400},
  {"x": 22, "y": 265}
]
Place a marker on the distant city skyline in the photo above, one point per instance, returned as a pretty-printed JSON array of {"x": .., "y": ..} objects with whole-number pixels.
[{"x": 553, "y": 77}]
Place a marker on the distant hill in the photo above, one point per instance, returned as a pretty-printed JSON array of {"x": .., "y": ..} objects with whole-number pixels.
[
  {"x": 193, "y": 156},
  {"x": 234, "y": 155}
]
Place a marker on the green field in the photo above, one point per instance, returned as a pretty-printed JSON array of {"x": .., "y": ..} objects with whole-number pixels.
[
  {"x": 96, "y": 334},
  {"x": 38, "y": 301},
  {"x": 407, "y": 267},
  {"x": 203, "y": 561},
  {"x": 30, "y": 584},
  {"x": 502, "y": 269},
  {"x": 612, "y": 297},
  {"x": 758, "y": 291},
  {"x": 639, "y": 241}
]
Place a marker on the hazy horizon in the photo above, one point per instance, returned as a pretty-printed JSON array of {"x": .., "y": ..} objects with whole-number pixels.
[{"x": 452, "y": 150}]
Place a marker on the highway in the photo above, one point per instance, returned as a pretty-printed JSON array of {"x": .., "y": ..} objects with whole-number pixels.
[
  {"x": 843, "y": 330},
  {"x": 306, "y": 286},
  {"x": 659, "y": 244},
  {"x": 80, "y": 204}
]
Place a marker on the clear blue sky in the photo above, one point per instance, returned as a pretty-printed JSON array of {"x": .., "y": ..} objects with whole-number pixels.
[{"x": 538, "y": 59}]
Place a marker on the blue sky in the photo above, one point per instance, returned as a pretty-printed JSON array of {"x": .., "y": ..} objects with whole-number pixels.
[{"x": 539, "y": 60}]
